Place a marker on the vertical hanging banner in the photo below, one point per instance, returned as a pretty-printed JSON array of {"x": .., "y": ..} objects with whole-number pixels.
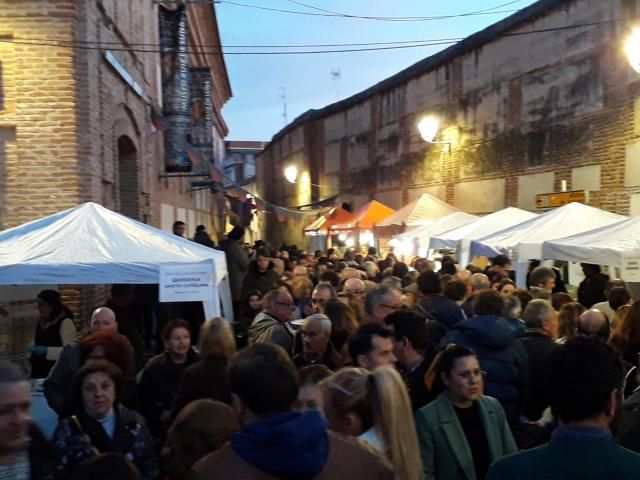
[
  {"x": 202, "y": 114},
  {"x": 176, "y": 87}
]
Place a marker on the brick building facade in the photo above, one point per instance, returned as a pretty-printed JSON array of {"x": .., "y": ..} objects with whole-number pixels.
[
  {"x": 78, "y": 80},
  {"x": 543, "y": 97}
]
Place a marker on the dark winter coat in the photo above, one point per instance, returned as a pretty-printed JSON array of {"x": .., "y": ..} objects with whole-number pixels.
[
  {"x": 502, "y": 356},
  {"x": 442, "y": 309},
  {"x": 131, "y": 438},
  {"x": 204, "y": 379},
  {"x": 237, "y": 264},
  {"x": 257, "y": 280},
  {"x": 539, "y": 347},
  {"x": 159, "y": 388},
  {"x": 591, "y": 290}
]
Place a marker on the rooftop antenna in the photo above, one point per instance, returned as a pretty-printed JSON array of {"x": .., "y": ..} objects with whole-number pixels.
[
  {"x": 336, "y": 75},
  {"x": 283, "y": 96}
]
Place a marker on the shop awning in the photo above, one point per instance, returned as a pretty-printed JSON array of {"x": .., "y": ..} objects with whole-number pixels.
[{"x": 366, "y": 217}]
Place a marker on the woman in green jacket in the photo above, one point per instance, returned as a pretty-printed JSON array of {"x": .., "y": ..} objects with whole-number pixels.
[{"x": 462, "y": 432}]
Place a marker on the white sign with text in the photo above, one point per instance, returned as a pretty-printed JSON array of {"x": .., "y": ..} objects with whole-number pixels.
[{"x": 186, "y": 282}]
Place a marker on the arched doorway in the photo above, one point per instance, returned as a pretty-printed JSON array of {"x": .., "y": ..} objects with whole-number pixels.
[{"x": 128, "y": 191}]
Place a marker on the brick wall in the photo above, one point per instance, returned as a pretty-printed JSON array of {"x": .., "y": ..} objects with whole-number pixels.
[{"x": 568, "y": 104}]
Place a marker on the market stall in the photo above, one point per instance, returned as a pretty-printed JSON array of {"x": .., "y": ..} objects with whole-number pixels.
[
  {"x": 459, "y": 239},
  {"x": 358, "y": 229},
  {"x": 415, "y": 241},
  {"x": 319, "y": 229},
  {"x": 523, "y": 241},
  {"x": 90, "y": 244}
]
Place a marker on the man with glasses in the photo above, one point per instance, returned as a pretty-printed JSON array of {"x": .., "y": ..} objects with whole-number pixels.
[
  {"x": 380, "y": 302},
  {"x": 270, "y": 325}
]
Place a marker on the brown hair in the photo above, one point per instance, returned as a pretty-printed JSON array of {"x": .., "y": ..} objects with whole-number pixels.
[
  {"x": 628, "y": 330},
  {"x": 103, "y": 366},
  {"x": 568, "y": 319},
  {"x": 298, "y": 285},
  {"x": 117, "y": 350},
  {"x": 172, "y": 325},
  {"x": 216, "y": 339},
  {"x": 201, "y": 427}
]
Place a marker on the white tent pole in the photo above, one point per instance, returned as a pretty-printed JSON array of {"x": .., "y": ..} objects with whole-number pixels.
[
  {"x": 521, "y": 275},
  {"x": 463, "y": 253}
]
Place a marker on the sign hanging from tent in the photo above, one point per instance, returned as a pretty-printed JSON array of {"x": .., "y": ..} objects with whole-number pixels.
[{"x": 186, "y": 282}]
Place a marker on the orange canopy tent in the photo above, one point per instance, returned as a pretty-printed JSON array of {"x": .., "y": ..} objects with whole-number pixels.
[
  {"x": 365, "y": 218},
  {"x": 321, "y": 225}
]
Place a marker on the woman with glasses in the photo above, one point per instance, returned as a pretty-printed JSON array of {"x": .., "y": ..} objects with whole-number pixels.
[{"x": 462, "y": 432}]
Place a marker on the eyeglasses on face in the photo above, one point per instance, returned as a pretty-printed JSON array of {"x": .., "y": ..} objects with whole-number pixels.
[
  {"x": 391, "y": 307},
  {"x": 286, "y": 304}
]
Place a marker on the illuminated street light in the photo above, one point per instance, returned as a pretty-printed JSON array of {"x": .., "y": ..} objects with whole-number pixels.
[
  {"x": 428, "y": 128},
  {"x": 632, "y": 49},
  {"x": 291, "y": 173}
]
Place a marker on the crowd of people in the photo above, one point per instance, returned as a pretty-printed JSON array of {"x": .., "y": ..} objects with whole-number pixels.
[{"x": 341, "y": 365}]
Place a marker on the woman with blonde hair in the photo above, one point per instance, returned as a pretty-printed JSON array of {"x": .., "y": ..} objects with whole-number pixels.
[
  {"x": 207, "y": 377},
  {"x": 375, "y": 407}
]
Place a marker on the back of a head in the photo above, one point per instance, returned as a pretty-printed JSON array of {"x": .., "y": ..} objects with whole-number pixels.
[
  {"x": 429, "y": 283},
  {"x": 236, "y": 233},
  {"x": 479, "y": 282},
  {"x": 617, "y": 297},
  {"x": 455, "y": 290},
  {"x": 537, "y": 313},
  {"x": 410, "y": 325},
  {"x": 500, "y": 261},
  {"x": 581, "y": 375},
  {"x": 512, "y": 307},
  {"x": 264, "y": 378},
  {"x": 524, "y": 297},
  {"x": 448, "y": 268},
  {"x": 216, "y": 339},
  {"x": 594, "y": 323},
  {"x": 106, "y": 466},
  {"x": 559, "y": 299},
  {"x": 333, "y": 278},
  {"x": 488, "y": 302},
  {"x": 360, "y": 342},
  {"x": 201, "y": 427},
  {"x": 312, "y": 375},
  {"x": 400, "y": 269}
]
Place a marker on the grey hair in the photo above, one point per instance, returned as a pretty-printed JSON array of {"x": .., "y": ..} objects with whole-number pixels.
[
  {"x": 271, "y": 296},
  {"x": 512, "y": 307},
  {"x": 324, "y": 286},
  {"x": 537, "y": 312},
  {"x": 479, "y": 281},
  {"x": 375, "y": 297},
  {"x": 325, "y": 322}
]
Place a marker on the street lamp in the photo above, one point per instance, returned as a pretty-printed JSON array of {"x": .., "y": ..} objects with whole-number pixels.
[
  {"x": 428, "y": 127},
  {"x": 291, "y": 173},
  {"x": 632, "y": 49}
]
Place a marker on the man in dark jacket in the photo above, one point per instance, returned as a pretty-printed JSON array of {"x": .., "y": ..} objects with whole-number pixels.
[
  {"x": 542, "y": 323},
  {"x": 261, "y": 275},
  {"x": 591, "y": 289},
  {"x": 585, "y": 378},
  {"x": 237, "y": 263},
  {"x": 435, "y": 304},
  {"x": 276, "y": 442},
  {"x": 501, "y": 354},
  {"x": 316, "y": 346},
  {"x": 414, "y": 352}
]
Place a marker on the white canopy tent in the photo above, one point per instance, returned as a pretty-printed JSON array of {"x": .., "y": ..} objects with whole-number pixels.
[
  {"x": 90, "y": 244},
  {"x": 617, "y": 245},
  {"x": 422, "y": 210},
  {"x": 523, "y": 241},
  {"x": 424, "y": 232},
  {"x": 460, "y": 238}
]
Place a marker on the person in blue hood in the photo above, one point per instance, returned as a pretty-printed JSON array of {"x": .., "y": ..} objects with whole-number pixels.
[
  {"x": 276, "y": 442},
  {"x": 500, "y": 352}
]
